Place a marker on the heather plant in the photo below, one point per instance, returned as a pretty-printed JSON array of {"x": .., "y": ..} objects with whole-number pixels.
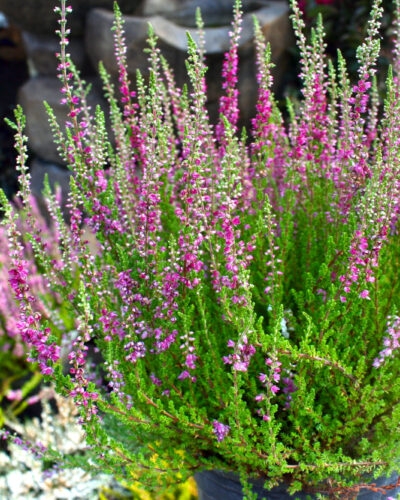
[
  {"x": 242, "y": 290},
  {"x": 20, "y": 378}
]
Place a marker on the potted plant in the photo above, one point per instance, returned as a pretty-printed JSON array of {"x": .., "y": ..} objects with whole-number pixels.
[{"x": 243, "y": 287}]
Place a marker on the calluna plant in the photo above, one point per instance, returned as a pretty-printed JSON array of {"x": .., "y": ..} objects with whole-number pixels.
[
  {"x": 243, "y": 287},
  {"x": 19, "y": 378}
]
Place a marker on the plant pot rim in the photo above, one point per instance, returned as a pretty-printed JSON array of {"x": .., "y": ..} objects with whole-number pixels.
[{"x": 216, "y": 484}]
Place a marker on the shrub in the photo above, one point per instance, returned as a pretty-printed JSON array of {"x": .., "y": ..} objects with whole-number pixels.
[
  {"x": 19, "y": 378},
  {"x": 243, "y": 293}
]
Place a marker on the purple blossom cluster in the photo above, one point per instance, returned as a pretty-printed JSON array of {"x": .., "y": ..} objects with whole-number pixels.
[
  {"x": 26, "y": 308},
  {"x": 242, "y": 354},
  {"x": 220, "y": 430}
]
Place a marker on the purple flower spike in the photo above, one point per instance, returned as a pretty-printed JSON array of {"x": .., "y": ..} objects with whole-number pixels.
[{"x": 220, "y": 430}]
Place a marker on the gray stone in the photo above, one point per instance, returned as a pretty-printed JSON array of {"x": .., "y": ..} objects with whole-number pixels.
[
  {"x": 3, "y": 21},
  {"x": 213, "y": 13},
  {"x": 274, "y": 22},
  {"x": 273, "y": 18},
  {"x": 31, "y": 96},
  {"x": 41, "y": 52},
  {"x": 38, "y": 16},
  {"x": 99, "y": 40},
  {"x": 153, "y": 7},
  {"x": 57, "y": 175}
]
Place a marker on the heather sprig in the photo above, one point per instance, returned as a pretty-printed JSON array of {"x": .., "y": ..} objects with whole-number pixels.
[
  {"x": 241, "y": 289},
  {"x": 20, "y": 344},
  {"x": 229, "y": 102}
]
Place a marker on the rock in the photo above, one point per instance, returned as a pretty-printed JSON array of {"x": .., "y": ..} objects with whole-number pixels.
[
  {"x": 38, "y": 16},
  {"x": 100, "y": 42},
  {"x": 274, "y": 22},
  {"x": 57, "y": 176},
  {"x": 31, "y": 96},
  {"x": 3, "y": 21},
  {"x": 183, "y": 11},
  {"x": 214, "y": 13},
  {"x": 41, "y": 52}
]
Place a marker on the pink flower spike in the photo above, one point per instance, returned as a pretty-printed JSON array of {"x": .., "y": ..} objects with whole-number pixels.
[{"x": 365, "y": 295}]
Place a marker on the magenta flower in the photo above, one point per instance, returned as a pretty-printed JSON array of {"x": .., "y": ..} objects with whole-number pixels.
[{"x": 220, "y": 430}]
